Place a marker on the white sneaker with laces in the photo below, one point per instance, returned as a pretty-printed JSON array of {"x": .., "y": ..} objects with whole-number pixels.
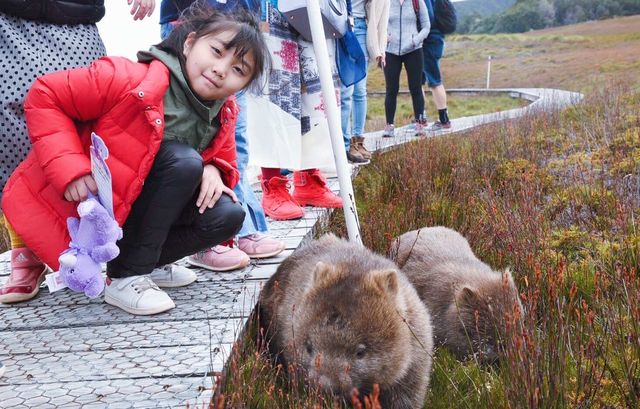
[
  {"x": 172, "y": 275},
  {"x": 137, "y": 295}
]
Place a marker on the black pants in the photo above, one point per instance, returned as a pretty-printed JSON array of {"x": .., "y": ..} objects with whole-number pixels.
[
  {"x": 164, "y": 224},
  {"x": 413, "y": 64}
]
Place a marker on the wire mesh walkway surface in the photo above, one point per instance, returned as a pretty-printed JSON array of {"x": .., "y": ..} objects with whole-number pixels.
[{"x": 64, "y": 350}]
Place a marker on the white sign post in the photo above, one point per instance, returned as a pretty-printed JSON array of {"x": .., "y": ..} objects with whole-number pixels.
[{"x": 333, "y": 117}]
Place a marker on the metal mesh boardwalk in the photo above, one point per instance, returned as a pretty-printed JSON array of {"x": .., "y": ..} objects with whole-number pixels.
[{"x": 64, "y": 350}]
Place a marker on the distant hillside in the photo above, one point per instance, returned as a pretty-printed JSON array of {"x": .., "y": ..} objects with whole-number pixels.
[
  {"x": 525, "y": 15},
  {"x": 482, "y": 7}
]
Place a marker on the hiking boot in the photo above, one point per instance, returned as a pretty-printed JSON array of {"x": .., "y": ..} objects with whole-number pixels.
[
  {"x": 27, "y": 273},
  {"x": 260, "y": 245},
  {"x": 311, "y": 190},
  {"x": 354, "y": 156},
  {"x": 172, "y": 275},
  {"x": 439, "y": 126},
  {"x": 277, "y": 201},
  {"x": 359, "y": 143},
  {"x": 137, "y": 295},
  {"x": 389, "y": 131},
  {"x": 220, "y": 258}
]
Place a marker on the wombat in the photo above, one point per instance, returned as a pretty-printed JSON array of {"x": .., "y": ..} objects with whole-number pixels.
[
  {"x": 468, "y": 301},
  {"x": 348, "y": 318}
]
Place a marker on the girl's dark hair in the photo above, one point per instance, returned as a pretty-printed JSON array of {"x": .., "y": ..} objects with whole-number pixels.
[{"x": 202, "y": 19}]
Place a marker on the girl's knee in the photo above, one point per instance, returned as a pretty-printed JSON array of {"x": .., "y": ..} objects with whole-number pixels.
[
  {"x": 181, "y": 161},
  {"x": 222, "y": 221}
]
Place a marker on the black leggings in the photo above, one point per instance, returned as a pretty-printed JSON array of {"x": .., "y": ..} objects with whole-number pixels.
[
  {"x": 413, "y": 64},
  {"x": 164, "y": 224}
]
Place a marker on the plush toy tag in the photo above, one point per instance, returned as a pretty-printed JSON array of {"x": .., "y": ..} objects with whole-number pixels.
[
  {"x": 54, "y": 282},
  {"x": 101, "y": 173}
]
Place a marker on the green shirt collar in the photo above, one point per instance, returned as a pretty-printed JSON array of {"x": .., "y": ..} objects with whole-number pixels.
[{"x": 207, "y": 111}]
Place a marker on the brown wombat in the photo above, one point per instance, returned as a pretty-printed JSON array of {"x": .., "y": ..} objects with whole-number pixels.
[
  {"x": 348, "y": 318},
  {"x": 468, "y": 301}
]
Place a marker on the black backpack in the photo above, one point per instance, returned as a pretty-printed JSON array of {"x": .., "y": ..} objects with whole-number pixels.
[{"x": 445, "y": 16}]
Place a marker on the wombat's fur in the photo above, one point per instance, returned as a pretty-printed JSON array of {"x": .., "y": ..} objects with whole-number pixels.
[
  {"x": 348, "y": 318},
  {"x": 468, "y": 301}
]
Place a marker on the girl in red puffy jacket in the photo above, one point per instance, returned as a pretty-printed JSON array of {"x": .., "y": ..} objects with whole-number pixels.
[{"x": 168, "y": 121}]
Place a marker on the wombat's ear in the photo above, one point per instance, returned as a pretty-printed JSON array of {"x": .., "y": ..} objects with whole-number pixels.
[
  {"x": 384, "y": 281},
  {"x": 468, "y": 297},
  {"x": 324, "y": 275}
]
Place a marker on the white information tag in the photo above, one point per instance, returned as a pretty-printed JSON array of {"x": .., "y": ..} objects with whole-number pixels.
[
  {"x": 54, "y": 282},
  {"x": 101, "y": 173}
]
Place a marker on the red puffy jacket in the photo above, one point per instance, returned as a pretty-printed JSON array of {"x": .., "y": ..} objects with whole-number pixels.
[{"x": 120, "y": 100}]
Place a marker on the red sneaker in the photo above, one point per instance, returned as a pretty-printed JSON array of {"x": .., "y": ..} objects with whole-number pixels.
[
  {"x": 27, "y": 273},
  {"x": 311, "y": 190},
  {"x": 277, "y": 201}
]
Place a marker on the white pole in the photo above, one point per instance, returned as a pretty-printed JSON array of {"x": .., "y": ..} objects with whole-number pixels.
[
  {"x": 489, "y": 72},
  {"x": 333, "y": 117}
]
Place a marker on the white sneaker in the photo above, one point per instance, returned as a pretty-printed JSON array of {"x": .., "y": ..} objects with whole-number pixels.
[
  {"x": 137, "y": 295},
  {"x": 172, "y": 275}
]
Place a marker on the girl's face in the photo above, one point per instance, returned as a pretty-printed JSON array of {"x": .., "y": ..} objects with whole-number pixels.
[{"x": 213, "y": 71}]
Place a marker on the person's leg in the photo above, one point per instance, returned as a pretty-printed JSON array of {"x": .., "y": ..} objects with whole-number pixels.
[
  {"x": 195, "y": 231},
  {"x": 31, "y": 49},
  {"x": 392, "y": 79},
  {"x": 413, "y": 65},
  {"x": 346, "y": 99},
  {"x": 174, "y": 177},
  {"x": 360, "y": 88},
  {"x": 253, "y": 238},
  {"x": 433, "y": 49},
  {"x": 168, "y": 191}
]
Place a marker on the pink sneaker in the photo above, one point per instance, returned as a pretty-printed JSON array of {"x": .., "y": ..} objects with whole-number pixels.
[
  {"x": 220, "y": 258},
  {"x": 260, "y": 245},
  {"x": 27, "y": 273}
]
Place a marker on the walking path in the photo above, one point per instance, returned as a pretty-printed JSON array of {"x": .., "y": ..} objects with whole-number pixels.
[{"x": 64, "y": 350}]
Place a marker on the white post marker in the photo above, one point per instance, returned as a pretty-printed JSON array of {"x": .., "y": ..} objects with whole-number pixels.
[
  {"x": 333, "y": 117},
  {"x": 488, "y": 72}
]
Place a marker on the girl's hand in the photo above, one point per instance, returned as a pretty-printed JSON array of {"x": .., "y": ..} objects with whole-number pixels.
[
  {"x": 381, "y": 61},
  {"x": 78, "y": 190},
  {"x": 212, "y": 188},
  {"x": 141, "y": 8}
]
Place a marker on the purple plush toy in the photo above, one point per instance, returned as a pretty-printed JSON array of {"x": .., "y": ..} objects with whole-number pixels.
[{"x": 93, "y": 241}]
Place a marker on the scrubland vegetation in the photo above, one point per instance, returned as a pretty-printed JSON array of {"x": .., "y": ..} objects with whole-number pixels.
[{"x": 554, "y": 197}]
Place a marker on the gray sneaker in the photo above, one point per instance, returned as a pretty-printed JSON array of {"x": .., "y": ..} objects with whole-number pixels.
[
  {"x": 439, "y": 126},
  {"x": 389, "y": 131}
]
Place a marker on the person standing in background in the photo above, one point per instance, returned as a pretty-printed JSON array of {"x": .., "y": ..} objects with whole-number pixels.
[
  {"x": 370, "y": 27},
  {"x": 34, "y": 42},
  {"x": 296, "y": 134},
  {"x": 253, "y": 240},
  {"x": 408, "y": 28},
  {"x": 432, "y": 49}
]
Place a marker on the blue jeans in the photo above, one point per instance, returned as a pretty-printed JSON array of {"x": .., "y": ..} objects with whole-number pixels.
[
  {"x": 255, "y": 220},
  {"x": 355, "y": 96}
]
